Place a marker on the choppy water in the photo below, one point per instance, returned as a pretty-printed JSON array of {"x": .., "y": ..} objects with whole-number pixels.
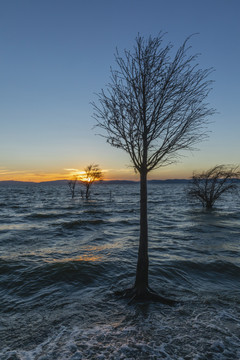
[{"x": 61, "y": 260}]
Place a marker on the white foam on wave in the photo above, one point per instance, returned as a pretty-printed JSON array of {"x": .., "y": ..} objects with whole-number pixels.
[
  {"x": 100, "y": 343},
  {"x": 183, "y": 333}
]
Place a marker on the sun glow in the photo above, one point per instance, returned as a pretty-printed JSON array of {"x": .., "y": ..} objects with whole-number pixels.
[
  {"x": 74, "y": 173},
  {"x": 78, "y": 175}
]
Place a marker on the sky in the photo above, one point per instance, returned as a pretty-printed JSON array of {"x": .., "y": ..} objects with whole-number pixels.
[{"x": 55, "y": 55}]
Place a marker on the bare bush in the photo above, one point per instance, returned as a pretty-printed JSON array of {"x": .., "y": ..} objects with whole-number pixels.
[
  {"x": 208, "y": 186},
  {"x": 72, "y": 184}
]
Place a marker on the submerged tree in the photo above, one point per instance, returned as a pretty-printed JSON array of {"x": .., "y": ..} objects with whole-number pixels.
[
  {"x": 154, "y": 106},
  {"x": 92, "y": 174},
  {"x": 72, "y": 184},
  {"x": 211, "y": 184}
]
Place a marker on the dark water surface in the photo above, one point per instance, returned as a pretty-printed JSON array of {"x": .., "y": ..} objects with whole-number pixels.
[{"x": 61, "y": 260}]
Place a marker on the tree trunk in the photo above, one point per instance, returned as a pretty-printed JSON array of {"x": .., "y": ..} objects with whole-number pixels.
[
  {"x": 140, "y": 290},
  {"x": 87, "y": 191},
  {"x": 141, "y": 282}
]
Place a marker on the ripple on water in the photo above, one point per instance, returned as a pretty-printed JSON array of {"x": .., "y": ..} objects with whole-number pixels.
[{"x": 61, "y": 260}]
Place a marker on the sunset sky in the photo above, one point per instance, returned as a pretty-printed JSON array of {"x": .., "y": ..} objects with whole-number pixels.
[{"x": 56, "y": 54}]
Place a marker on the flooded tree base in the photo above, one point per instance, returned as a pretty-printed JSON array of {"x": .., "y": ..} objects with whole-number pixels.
[{"x": 141, "y": 295}]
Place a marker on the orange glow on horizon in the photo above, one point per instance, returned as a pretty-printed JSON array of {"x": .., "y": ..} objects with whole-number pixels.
[
  {"x": 32, "y": 177},
  {"x": 109, "y": 174}
]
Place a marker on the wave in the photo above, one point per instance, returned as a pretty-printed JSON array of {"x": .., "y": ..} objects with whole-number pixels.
[
  {"x": 54, "y": 270},
  {"x": 44, "y": 215},
  {"x": 181, "y": 333},
  {"x": 10, "y": 266},
  {"x": 79, "y": 223},
  {"x": 37, "y": 285},
  {"x": 95, "y": 212},
  {"x": 4, "y": 204},
  {"x": 218, "y": 266}
]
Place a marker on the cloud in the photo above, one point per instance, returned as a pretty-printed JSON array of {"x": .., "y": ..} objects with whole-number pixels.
[
  {"x": 71, "y": 170},
  {"x": 4, "y": 171},
  {"x": 29, "y": 175}
]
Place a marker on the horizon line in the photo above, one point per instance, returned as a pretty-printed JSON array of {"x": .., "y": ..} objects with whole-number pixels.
[{"x": 97, "y": 181}]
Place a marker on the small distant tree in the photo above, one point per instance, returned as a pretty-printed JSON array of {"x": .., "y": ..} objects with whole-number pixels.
[
  {"x": 92, "y": 174},
  {"x": 153, "y": 108},
  {"x": 208, "y": 186},
  {"x": 72, "y": 184}
]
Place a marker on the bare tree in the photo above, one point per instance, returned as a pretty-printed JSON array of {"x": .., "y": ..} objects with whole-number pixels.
[
  {"x": 92, "y": 174},
  {"x": 72, "y": 185},
  {"x": 154, "y": 106},
  {"x": 211, "y": 184}
]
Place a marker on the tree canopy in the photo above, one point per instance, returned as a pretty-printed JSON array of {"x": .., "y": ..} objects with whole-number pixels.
[
  {"x": 154, "y": 105},
  {"x": 92, "y": 173}
]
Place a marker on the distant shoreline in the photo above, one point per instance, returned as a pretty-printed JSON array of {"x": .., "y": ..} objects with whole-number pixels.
[
  {"x": 107, "y": 182},
  {"x": 123, "y": 182}
]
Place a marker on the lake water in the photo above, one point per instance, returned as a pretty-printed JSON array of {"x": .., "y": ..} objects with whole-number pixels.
[{"x": 61, "y": 260}]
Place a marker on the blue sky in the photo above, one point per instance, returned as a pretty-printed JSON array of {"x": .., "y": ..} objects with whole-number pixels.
[{"x": 55, "y": 54}]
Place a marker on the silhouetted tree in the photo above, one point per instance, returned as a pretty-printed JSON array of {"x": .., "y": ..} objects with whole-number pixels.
[
  {"x": 154, "y": 106},
  {"x": 92, "y": 174},
  {"x": 72, "y": 185},
  {"x": 211, "y": 184}
]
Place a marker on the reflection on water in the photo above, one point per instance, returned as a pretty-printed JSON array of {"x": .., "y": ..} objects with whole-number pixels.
[
  {"x": 21, "y": 226},
  {"x": 89, "y": 253},
  {"x": 86, "y": 257}
]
